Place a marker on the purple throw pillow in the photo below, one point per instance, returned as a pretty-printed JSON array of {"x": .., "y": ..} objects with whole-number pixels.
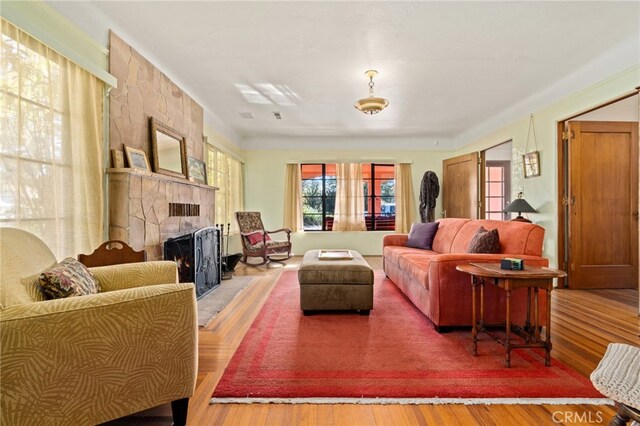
[
  {"x": 421, "y": 235},
  {"x": 484, "y": 241}
]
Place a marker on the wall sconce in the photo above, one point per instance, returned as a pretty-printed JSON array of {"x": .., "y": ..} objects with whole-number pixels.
[{"x": 520, "y": 205}]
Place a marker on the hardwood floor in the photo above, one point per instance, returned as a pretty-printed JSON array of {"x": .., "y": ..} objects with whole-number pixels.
[{"x": 583, "y": 321}]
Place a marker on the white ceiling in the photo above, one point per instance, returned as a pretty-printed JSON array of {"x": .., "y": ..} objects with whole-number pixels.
[{"x": 445, "y": 67}]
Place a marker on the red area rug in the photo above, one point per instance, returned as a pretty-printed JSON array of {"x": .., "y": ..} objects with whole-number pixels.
[{"x": 393, "y": 353}]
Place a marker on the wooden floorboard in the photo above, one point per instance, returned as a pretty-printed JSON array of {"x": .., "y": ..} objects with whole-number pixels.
[{"x": 583, "y": 323}]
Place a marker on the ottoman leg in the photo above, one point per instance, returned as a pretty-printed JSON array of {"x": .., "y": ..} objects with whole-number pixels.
[
  {"x": 363, "y": 311},
  {"x": 307, "y": 312}
]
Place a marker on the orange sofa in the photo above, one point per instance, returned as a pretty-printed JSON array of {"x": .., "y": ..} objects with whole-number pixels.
[{"x": 430, "y": 280}]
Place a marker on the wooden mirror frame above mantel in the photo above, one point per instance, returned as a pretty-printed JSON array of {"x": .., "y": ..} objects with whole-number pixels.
[{"x": 169, "y": 149}]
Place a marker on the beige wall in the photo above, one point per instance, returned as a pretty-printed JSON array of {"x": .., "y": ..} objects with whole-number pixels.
[{"x": 264, "y": 191}]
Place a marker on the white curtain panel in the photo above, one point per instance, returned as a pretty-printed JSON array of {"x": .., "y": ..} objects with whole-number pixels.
[
  {"x": 349, "y": 210},
  {"x": 51, "y": 144}
]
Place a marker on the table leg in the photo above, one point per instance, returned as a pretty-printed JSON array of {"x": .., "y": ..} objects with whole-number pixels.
[
  {"x": 507, "y": 342},
  {"x": 474, "y": 330},
  {"x": 527, "y": 324},
  {"x": 547, "y": 356},
  {"x": 536, "y": 324}
]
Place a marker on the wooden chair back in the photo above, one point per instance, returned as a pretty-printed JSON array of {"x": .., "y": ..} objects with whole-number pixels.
[{"x": 112, "y": 252}]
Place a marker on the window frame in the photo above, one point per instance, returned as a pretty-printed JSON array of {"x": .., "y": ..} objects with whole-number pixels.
[
  {"x": 373, "y": 194},
  {"x": 323, "y": 196}
]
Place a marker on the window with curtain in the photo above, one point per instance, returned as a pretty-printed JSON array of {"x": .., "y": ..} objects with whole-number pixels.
[
  {"x": 319, "y": 196},
  {"x": 50, "y": 145},
  {"x": 225, "y": 173}
]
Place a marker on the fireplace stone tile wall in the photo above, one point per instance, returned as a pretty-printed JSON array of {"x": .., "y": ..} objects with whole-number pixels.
[
  {"x": 144, "y": 91},
  {"x": 139, "y": 211}
]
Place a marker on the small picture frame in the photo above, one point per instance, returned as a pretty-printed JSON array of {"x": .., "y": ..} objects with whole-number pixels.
[
  {"x": 531, "y": 163},
  {"x": 117, "y": 159},
  {"x": 197, "y": 170},
  {"x": 137, "y": 159}
]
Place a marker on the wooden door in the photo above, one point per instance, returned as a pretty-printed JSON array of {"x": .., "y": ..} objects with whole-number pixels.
[
  {"x": 603, "y": 204},
  {"x": 460, "y": 186}
]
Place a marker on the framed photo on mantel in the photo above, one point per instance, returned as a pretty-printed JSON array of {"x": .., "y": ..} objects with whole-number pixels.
[
  {"x": 531, "y": 163},
  {"x": 197, "y": 171},
  {"x": 137, "y": 159}
]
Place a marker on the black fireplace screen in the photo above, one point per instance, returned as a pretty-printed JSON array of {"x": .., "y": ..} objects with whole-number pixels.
[{"x": 198, "y": 258}]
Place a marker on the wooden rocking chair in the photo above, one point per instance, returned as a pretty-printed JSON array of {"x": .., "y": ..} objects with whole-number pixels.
[{"x": 257, "y": 242}]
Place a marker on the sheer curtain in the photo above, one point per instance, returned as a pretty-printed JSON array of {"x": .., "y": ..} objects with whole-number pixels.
[
  {"x": 293, "y": 198},
  {"x": 225, "y": 173},
  {"x": 51, "y": 163},
  {"x": 349, "y": 211},
  {"x": 405, "y": 202}
]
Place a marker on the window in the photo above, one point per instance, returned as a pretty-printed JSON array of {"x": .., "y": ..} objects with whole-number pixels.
[
  {"x": 380, "y": 198},
  {"x": 50, "y": 145},
  {"x": 225, "y": 173},
  {"x": 497, "y": 189},
  {"x": 319, "y": 196}
]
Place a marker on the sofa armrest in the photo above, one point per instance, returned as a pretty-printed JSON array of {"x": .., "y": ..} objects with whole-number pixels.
[
  {"x": 89, "y": 359},
  {"x": 129, "y": 275},
  {"x": 394, "y": 240}
]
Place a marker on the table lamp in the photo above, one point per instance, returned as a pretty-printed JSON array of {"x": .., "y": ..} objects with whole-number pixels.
[{"x": 520, "y": 205}]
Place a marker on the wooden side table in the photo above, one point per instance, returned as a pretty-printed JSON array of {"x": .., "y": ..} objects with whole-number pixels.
[{"x": 532, "y": 278}]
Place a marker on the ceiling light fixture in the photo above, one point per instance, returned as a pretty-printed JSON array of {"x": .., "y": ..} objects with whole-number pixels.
[{"x": 371, "y": 105}]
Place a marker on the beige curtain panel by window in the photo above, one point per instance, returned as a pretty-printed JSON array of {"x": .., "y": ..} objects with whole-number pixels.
[
  {"x": 293, "y": 198},
  {"x": 405, "y": 202},
  {"x": 51, "y": 163},
  {"x": 349, "y": 210}
]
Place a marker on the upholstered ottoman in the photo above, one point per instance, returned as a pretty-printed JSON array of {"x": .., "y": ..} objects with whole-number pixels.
[{"x": 335, "y": 284}]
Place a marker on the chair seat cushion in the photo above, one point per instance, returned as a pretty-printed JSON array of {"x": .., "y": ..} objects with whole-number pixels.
[
  {"x": 618, "y": 374},
  {"x": 68, "y": 278}
]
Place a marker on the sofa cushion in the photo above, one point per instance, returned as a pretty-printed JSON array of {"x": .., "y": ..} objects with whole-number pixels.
[
  {"x": 393, "y": 254},
  {"x": 447, "y": 231},
  {"x": 484, "y": 241},
  {"x": 417, "y": 267},
  {"x": 68, "y": 278},
  {"x": 421, "y": 235},
  {"x": 515, "y": 237}
]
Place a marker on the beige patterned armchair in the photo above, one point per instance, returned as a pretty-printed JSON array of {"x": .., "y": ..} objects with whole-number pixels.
[{"x": 89, "y": 359}]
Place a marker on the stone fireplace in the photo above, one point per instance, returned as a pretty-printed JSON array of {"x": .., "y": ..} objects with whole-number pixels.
[{"x": 146, "y": 209}]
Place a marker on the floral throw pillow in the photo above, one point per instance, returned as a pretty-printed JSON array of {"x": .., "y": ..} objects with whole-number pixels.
[
  {"x": 484, "y": 241},
  {"x": 68, "y": 278}
]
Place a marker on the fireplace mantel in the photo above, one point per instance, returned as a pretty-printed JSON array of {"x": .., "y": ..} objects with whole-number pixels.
[{"x": 147, "y": 208}]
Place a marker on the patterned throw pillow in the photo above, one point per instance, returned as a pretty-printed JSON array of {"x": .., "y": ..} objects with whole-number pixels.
[
  {"x": 68, "y": 278},
  {"x": 484, "y": 241}
]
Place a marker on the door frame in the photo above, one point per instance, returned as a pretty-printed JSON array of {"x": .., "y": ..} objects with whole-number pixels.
[{"x": 562, "y": 170}]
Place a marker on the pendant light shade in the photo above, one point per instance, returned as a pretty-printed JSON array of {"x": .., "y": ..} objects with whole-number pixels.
[{"x": 371, "y": 105}]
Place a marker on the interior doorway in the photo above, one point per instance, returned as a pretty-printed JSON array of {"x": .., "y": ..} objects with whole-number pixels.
[
  {"x": 598, "y": 196},
  {"x": 496, "y": 181}
]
